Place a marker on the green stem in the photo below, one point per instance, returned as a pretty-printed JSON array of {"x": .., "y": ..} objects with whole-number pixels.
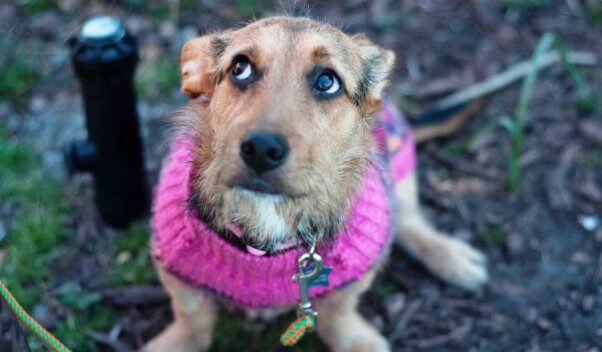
[
  {"x": 586, "y": 99},
  {"x": 528, "y": 86}
]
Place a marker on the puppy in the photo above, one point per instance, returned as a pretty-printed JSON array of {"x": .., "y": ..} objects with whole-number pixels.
[{"x": 286, "y": 144}]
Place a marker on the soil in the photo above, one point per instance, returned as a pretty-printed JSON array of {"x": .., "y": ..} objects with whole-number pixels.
[{"x": 544, "y": 241}]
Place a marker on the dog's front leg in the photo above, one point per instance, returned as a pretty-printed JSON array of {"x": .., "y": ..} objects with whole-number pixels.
[
  {"x": 450, "y": 259},
  {"x": 195, "y": 313},
  {"x": 341, "y": 326}
]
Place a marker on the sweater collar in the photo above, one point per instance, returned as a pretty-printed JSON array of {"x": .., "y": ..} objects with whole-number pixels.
[{"x": 238, "y": 233}]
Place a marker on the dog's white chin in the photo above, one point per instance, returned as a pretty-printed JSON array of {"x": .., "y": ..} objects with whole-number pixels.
[
  {"x": 255, "y": 196},
  {"x": 269, "y": 226}
]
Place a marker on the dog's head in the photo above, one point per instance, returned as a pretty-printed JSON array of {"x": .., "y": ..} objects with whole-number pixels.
[{"x": 282, "y": 113}]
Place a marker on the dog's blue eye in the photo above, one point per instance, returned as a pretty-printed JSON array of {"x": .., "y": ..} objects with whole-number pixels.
[
  {"x": 327, "y": 83},
  {"x": 242, "y": 69}
]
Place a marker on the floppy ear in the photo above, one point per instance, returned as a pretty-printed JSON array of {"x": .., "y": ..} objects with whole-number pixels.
[
  {"x": 377, "y": 64},
  {"x": 198, "y": 63}
]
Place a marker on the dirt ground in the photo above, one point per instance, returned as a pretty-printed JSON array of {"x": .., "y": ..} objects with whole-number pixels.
[{"x": 544, "y": 241}]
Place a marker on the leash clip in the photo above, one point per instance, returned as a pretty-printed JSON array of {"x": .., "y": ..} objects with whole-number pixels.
[{"x": 311, "y": 273}]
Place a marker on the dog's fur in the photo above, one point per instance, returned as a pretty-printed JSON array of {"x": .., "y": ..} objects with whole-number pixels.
[{"x": 330, "y": 143}]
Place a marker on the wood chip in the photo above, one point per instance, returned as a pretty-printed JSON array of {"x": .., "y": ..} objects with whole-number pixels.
[
  {"x": 115, "y": 345},
  {"x": 439, "y": 87},
  {"x": 509, "y": 76},
  {"x": 404, "y": 318},
  {"x": 455, "y": 335},
  {"x": 591, "y": 129},
  {"x": 466, "y": 166},
  {"x": 135, "y": 295},
  {"x": 557, "y": 191}
]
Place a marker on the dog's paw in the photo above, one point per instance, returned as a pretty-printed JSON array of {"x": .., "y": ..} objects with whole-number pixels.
[
  {"x": 362, "y": 342},
  {"x": 376, "y": 344},
  {"x": 458, "y": 263},
  {"x": 353, "y": 334}
]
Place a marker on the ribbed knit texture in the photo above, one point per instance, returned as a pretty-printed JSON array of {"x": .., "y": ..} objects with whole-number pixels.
[{"x": 200, "y": 257}]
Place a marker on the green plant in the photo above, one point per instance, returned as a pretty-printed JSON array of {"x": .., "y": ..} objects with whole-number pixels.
[
  {"x": 31, "y": 7},
  {"x": 516, "y": 125},
  {"x": 493, "y": 237},
  {"x": 38, "y": 240},
  {"x": 74, "y": 329},
  {"x": 592, "y": 157},
  {"x": 16, "y": 78},
  {"x": 21, "y": 65},
  {"x": 156, "y": 78},
  {"x": 586, "y": 101},
  {"x": 84, "y": 314},
  {"x": 384, "y": 288},
  {"x": 159, "y": 12},
  {"x": 189, "y": 5},
  {"x": 464, "y": 144},
  {"x": 594, "y": 11},
  {"x": 131, "y": 263},
  {"x": 247, "y": 335},
  {"x": 36, "y": 227},
  {"x": 247, "y": 8},
  {"x": 525, "y": 4}
]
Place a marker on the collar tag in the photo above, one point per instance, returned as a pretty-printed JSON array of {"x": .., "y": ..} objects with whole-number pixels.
[{"x": 322, "y": 278}]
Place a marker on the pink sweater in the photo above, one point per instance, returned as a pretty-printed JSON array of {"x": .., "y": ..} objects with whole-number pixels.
[{"x": 195, "y": 254}]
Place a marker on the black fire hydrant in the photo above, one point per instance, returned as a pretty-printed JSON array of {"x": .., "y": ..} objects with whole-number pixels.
[{"x": 104, "y": 56}]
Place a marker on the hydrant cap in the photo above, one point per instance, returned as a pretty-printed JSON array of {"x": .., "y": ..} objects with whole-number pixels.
[{"x": 106, "y": 29}]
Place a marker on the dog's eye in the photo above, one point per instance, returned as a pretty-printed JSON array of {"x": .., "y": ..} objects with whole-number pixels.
[
  {"x": 242, "y": 69},
  {"x": 327, "y": 83}
]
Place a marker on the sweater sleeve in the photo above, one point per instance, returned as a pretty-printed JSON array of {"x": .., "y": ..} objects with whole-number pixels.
[{"x": 395, "y": 140}]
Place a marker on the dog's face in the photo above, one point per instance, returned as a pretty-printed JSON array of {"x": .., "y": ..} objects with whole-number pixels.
[{"x": 282, "y": 116}]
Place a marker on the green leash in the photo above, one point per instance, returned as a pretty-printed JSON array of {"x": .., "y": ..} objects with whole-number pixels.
[
  {"x": 311, "y": 273},
  {"x": 295, "y": 332},
  {"x": 29, "y": 323}
]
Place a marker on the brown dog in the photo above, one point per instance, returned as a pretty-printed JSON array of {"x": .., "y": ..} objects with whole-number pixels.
[{"x": 316, "y": 91}]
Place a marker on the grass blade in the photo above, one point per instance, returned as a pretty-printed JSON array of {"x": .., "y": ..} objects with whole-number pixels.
[{"x": 544, "y": 44}]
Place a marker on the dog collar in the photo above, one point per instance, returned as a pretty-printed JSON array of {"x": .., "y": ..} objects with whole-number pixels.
[{"x": 238, "y": 233}]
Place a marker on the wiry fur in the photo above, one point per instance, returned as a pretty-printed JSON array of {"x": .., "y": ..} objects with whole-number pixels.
[
  {"x": 330, "y": 142},
  {"x": 330, "y": 139}
]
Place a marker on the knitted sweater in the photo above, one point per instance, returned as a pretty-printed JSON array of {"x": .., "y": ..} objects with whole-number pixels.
[{"x": 191, "y": 251}]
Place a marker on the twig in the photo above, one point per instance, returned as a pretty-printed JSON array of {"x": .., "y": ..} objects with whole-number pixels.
[
  {"x": 115, "y": 345},
  {"x": 465, "y": 166},
  {"x": 509, "y": 76},
  {"x": 457, "y": 334},
  {"x": 135, "y": 295},
  {"x": 484, "y": 14},
  {"x": 592, "y": 130},
  {"x": 451, "y": 125},
  {"x": 558, "y": 194},
  {"x": 404, "y": 318},
  {"x": 174, "y": 9},
  {"x": 434, "y": 199},
  {"x": 598, "y": 272},
  {"x": 439, "y": 87},
  {"x": 588, "y": 191}
]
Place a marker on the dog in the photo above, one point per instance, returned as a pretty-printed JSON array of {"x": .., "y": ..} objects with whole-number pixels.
[{"x": 282, "y": 146}]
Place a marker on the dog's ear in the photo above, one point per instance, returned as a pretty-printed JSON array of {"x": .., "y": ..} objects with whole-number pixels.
[
  {"x": 198, "y": 63},
  {"x": 377, "y": 64}
]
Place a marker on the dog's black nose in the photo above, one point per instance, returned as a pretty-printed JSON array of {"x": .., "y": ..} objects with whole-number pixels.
[{"x": 264, "y": 151}]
